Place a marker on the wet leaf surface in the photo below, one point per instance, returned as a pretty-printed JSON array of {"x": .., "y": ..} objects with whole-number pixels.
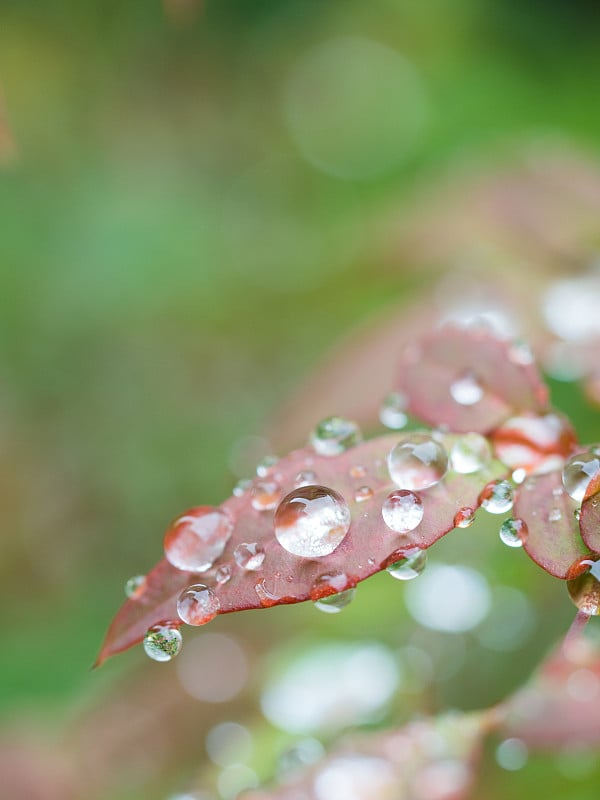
[{"x": 589, "y": 521}]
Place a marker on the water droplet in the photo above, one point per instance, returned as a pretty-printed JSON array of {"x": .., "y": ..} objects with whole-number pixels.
[
  {"x": 335, "y": 435},
  {"x": 520, "y": 353},
  {"x": 135, "y": 586},
  {"x": 513, "y": 532},
  {"x": 470, "y": 453},
  {"x": 242, "y": 487},
  {"x": 223, "y": 574},
  {"x": 402, "y": 511},
  {"x": 363, "y": 493},
  {"x": 557, "y": 491},
  {"x": 305, "y": 478},
  {"x": 329, "y": 584},
  {"x": 267, "y": 591},
  {"x": 497, "y": 497},
  {"x": 392, "y": 412},
  {"x": 334, "y": 603},
  {"x": 265, "y": 465},
  {"x": 197, "y": 605},
  {"x": 583, "y": 583},
  {"x": 249, "y": 555},
  {"x": 578, "y": 473},
  {"x": 357, "y": 471},
  {"x": 312, "y": 521},
  {"x": 162, "y": 642},
  {"x": 577, "y": 514},
  {"x": 464, "y": 517},
  {"x": 519, "y": 475},
  {"x": 417, "y": 462},
  {"x": 410, "y": 567},
  {"x": 466, "y": 390},
  {"x": 266, "y": 495},
  {"x": 195, "y": 540},
  {"x": 554, "y": 515}
]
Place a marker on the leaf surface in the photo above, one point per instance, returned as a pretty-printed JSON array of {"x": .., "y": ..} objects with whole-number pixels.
[{"x": 589, "y": 521}]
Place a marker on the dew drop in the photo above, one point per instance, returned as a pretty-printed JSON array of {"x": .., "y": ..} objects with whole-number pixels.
[
  {"x": 554, "y": 515},
  {"x": 578, "y": 473},
  {"x": 470, "y": 453},
  {"x": 162, "y": 642},
  {"x": 194, "y": 541},
  {"x": 334, "y": 603},
  {"x": 357, "y": 471},
  {"x": 249, "y": 555},
  {"x": 577, "y": 514},
  {"x": 312, "y": 521},
  {"x": 265, "y": 465},
  {"x": 417, "y": 462},
  {"x": 305, "y": 478},
  {"x": 392, "y": 412},
  {"x": 402, "y": 511},
  {"x": 583, "y": 584},
  {"x": 223, "y": 574},
  {"x": 363, "y": 493},
  {"x": 410, "y": 567},
  {"x": 513, "y": 532},
  {"x": 197, "y": 605},
  {"x": 242, "y": 487},
  {"x": 520, "y": 353},
  {"x": 464, "y": 517},
  {"x": 135, "y": 586},
  {"x": 266, "y": 495},
  {"x": 267, "y": 593},
  {"x": 497, "y": 497},
  {"x": 329, "y": 584},
  {"x": 519, "y": 475},
  {"x": 466, "y": 390},
  {"x": 335, "y": 435}
]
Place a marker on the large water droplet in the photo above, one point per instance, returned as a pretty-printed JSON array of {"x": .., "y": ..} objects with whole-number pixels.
[
  {"x": 417, "y": 462},
  {"x": 497, "y": 497},
  {"x": 312, "y": 521},
  {"x": 470, "y": 453},
  {"x": 135, "y": 586},
  {"x": 162, "y": 642},
  {"x": 584, "y": 585},
  {"x": 335, "y": 435},
  {"x": 464, "y": 517},
  {"x": 513, "y": 532},
  {"x": 197, "y": 605},
  {"x": 578, "y": 473},
  {"x": 334, "y": 603},
  {"x": 466, "y": 390},
  {"x": 266, "y": 495},
  {"x": 249, "y": 555},
  {"x": 392, "y": 412},
  {"x": 410, "y": 567},
  {"x": 402, "y": 511},
  {"x": 195, "y": 540}
]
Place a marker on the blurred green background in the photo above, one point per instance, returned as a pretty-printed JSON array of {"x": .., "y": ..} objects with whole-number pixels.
[{"x": 191, "y": 205}]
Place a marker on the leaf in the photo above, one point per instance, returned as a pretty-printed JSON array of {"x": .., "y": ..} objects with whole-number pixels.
[
  {"x": 455, "y": 361},
  {"x": 285, "y": 578},
  {"x": 553, "y": 541},
  {"x": 431, "y": 757},
  {"x": 589, "y": 522}
]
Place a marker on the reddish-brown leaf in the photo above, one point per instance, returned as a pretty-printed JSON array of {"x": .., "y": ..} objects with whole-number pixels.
[
  {"x": 554, "y": 541},
  {"x": 431, "y": 372},
  {"x": 286, "y": 578},
  {"x": 589, "y": 521}
]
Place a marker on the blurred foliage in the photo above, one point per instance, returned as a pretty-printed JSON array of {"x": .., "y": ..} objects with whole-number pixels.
[{"x": 172, "y": 263}]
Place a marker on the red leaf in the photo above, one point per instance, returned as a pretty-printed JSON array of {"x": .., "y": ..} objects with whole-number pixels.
[
  {"x": 286, "y": 578},
  {"x": 589, "y": 522},
  {"x": 496, "y": 380},
  {"x": 553, "y": 540}
]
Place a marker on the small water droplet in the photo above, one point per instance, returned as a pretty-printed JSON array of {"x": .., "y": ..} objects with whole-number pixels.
[
  {"x": 357, "y": 471},
  {"x": 410, "y": 567},
  {"x": 554, "y": 515},
  {"x": 329, "y": 584},
  {"x": 265, "y": 465},
  {"x": 135, "y": 586},
  {"x": 197, "y": 605},
  {"x": 392, "y": 412},
  {"x": 249, "y": 555},
  {"x": 557, "y": 491},
  {"x": 402, "y": 511},
  {"x": 242, "y": 487},
  {"x": 267, "y": 592},
  {"x": 266, "y": 495},
  {"x": 417, "y": 462},
  {"x": 162, "y": 642},
  {"x": 578, "y": 473},
  {"x": 513, "y": 532},
  {"x": 470, "y": 453},
  {"x": 577, "y": 514},
  {"x": 497, "y": 497},
  {"x": 223, "y": 574},
  {"x": 519, "y": 475},
  {"x": 583, "y": 584},
  {"x": 466, "y": 390},
  {"x": 305, "y": 478},
  {"x": 335, "y": 435},
  {"x": 464, "y": 517},
  {"x": 363, "y": 493},
  {"x": 520, "y": 353},
  {"x": 312, "y": 521},
  {"x": 194, "y": 541},
  {"x": 334, "y": 603}
]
